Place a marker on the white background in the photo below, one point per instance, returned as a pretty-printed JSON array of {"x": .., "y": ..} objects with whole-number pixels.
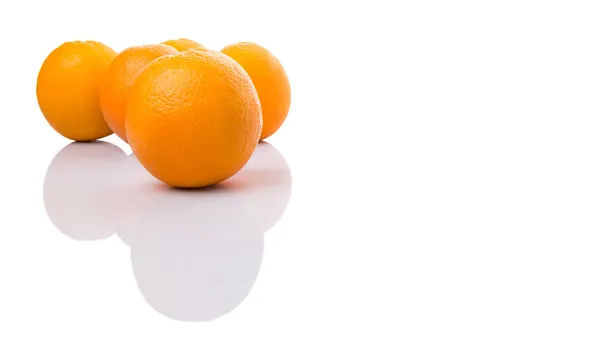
[{"x": 445, "y": 158}]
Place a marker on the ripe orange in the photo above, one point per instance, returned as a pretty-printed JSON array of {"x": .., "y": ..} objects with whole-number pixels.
[
  {"x": 121, "y": 74},
  {"x": 270, "y": 80},
  {"x": 183, "y": 44},
  {"x": 193, "y": 119},
  {"x": 68, "y": 89}
]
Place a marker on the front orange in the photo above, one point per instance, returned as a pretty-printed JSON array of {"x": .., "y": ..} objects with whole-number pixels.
[
  {"x": 121, "y": 74},
  {"x": 193, "y": 119}
]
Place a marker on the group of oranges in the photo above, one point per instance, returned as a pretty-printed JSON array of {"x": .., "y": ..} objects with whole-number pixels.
[{"x": 192, "y": 116}]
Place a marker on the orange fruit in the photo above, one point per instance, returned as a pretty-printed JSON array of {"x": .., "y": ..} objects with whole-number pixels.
[
  {"x": 121, "y": 74},
  {"x": 270, "y": 80},
  {"x": 193, "y": 119},
  {"x": 183, "y": 44},
  {"x": 68, "y": 89}
]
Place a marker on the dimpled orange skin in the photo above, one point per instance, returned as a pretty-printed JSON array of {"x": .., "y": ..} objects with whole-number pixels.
[
  {"x": 183, "y": 44},
  {"x": 121, "y": 74},
  {"x": 270, "y": 80},
  {"x": 68, "y": 89},
  {"x": 193, "y": 119}
]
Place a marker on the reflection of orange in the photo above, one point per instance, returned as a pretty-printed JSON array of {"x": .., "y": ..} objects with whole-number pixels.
[
  {"x": 193, "y": 119},
  {"x": 123, "y": 70},
  {"x": 183, "y": 44},
  {"x": 68, "y": 89},
  {"x": 80, "y": 190},
  {"x": 270, "y": 80}
]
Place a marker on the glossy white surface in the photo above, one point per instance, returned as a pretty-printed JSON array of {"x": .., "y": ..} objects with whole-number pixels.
[
  {"x": 195, "y": 255},
  {"x": 438, "y": 177}
]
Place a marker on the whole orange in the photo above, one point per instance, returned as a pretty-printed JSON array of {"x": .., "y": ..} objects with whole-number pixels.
[
  {"x": 270, "y": 80},
  {"x": 121, "y": 74},
  {"x": 68, "y": 89},
  {"x": 193, "y": 119},
  {"x": 183, "y": 44}
]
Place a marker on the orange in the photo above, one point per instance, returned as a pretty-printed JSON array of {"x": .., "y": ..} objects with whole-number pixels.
[
  {"x": 121, "y": 73},
  {"x": 183, "y": 44},
  {"x": 270, "y": 80},
  {"x": 193, "y": 119},
  {"x": 68, "y": 89}
]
